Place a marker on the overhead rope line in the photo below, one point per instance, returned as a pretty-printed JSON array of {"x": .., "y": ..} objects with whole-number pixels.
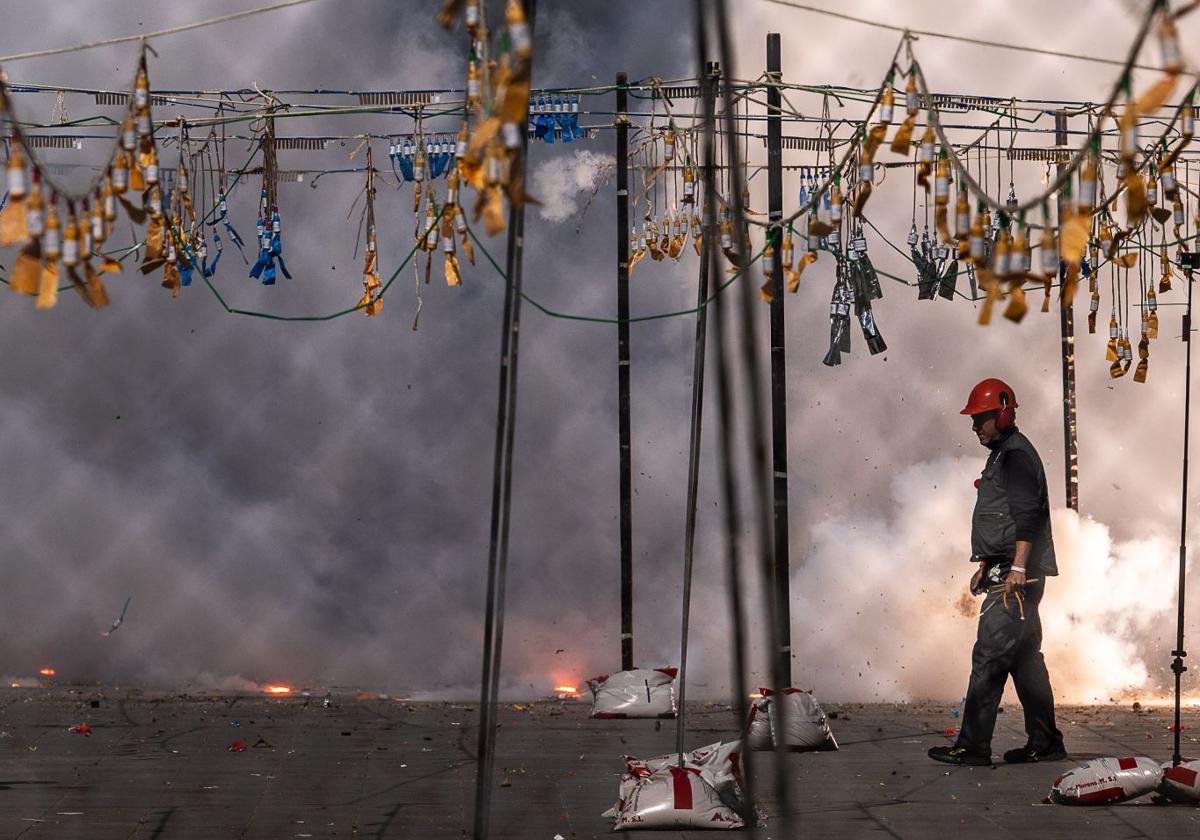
[
  {"x": 979, "y": 42},
  {"x": 89, "y": 45}
]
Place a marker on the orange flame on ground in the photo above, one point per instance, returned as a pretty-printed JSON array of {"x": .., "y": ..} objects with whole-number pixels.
[
  {"x": 47, "y": 672},
  {"x": 566, "y": 689},
  {"x": 278, "y": 689}
]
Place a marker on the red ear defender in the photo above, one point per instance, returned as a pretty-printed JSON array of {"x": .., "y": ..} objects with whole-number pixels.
[{"x": 1007, "y": 417}]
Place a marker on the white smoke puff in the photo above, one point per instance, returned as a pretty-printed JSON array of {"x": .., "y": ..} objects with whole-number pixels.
[
  {"x": 1110, "y": 610},
  {"x": 558, "y": 182},
  {"x": 881, "y": 612},
  {"x": 877, "y": 609}
]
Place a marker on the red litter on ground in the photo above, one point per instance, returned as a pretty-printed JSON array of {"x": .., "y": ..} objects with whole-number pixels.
[
  {"x": 237, "y": 746},
  {"x": 81, "y": 729},
  {"x": 1171, "y": 728},
  {"x": 950, "y": 731}
]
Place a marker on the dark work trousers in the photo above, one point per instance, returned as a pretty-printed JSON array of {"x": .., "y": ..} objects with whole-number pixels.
[{"x": 1006, "y": 645}]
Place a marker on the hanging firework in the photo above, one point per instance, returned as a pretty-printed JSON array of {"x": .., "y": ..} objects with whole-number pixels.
[
  {"x": 839, "y": 319},
  {"x": 902, "y": 140},
  {"x": 371, "y": 302},
  {"x": 14, "y": 219}
]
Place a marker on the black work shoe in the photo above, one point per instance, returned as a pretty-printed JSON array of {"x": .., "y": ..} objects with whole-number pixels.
[
  {"x": 960, "y": 756},
  {"x": 1028, "y": 755}
]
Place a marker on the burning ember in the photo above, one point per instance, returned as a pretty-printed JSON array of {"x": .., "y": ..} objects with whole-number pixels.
[
  {"x": 565, "y": 691},
  {"x": 278, "y": 689},
  {"x": 47, "y": 672}
]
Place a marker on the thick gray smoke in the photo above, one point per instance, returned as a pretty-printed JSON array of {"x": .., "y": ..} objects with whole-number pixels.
[{"x": 308, "y": 503}]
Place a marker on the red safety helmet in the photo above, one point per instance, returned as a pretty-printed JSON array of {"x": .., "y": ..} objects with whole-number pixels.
[{"x": 993, "y": 395}]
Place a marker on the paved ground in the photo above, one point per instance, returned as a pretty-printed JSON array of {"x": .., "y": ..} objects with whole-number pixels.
[{"x": 158, "y": 766}]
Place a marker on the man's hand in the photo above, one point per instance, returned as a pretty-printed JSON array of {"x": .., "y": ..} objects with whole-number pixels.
[
  {"x": 977, "y": 578},
  {"x": 1014, "y": 582}
]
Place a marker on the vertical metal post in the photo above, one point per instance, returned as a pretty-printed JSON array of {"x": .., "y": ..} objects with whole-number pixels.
[
  {"x": 1067, "y": 327},
  {"x": 712, "y": 73},
  {"x": 749, "y": 367},
  {"x": 506, "y": 421},
  {"x": 1179, "y": 653},
  {"x": 625, "y": 463},
  {"x": 779, "y": 473}
]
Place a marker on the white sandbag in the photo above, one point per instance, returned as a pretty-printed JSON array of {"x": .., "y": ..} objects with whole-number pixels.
[
  {"x": 1182, "y": 783},
  {"x": 721, "y": 757},
  {"x": 640, "y": 693},
  {"x": 674, "y": 797},
  {"x": 758, "y": 725},
  {"x": 1104, "y": 781},
  {"x": 807, "y": 727},
  {"x": 628, "y": 782},
  {"x": 720, "y": 764}
]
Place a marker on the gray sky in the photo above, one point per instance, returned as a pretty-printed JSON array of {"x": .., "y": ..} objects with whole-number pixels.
[{"x": 309, "y": 502}]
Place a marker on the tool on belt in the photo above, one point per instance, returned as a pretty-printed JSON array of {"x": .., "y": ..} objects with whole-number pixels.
[{"x": 995, "y": 574}]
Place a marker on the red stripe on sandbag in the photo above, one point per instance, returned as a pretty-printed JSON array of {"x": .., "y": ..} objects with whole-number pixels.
[
  {"x": 1182, "y": 775},
  {"x": 682, "y": 789},
  {"x": 670, "y": 672},
  {"x": 1111, "y": 794},
  {"x": 1127, "y": 763}
]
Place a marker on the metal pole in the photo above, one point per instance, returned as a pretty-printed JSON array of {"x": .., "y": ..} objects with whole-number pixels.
[
  {"x": 501, "y": 490},
  {"x": 1179, "y": 653},
  {"x": 713, "y": 73},
  {"x": 755, "y": 414},
  {"x": 499, "y": 531},
  {"x": 778, "y": 361},
  {"x": 1066, "y": 315},
  {"x": 625, "y": 463},
  {"x": 724, "y": 431}
]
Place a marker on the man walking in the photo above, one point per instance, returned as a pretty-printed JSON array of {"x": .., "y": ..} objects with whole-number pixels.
[{"x": 1011, "y": 542}]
